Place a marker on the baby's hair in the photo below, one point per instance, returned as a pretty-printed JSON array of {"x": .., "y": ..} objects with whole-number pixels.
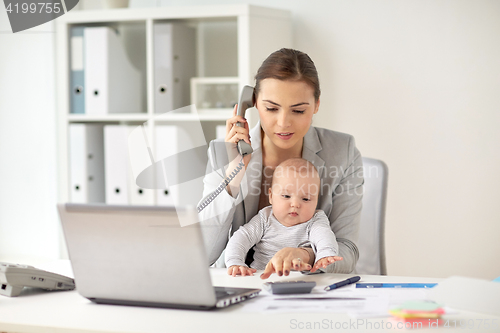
[{"x": 302, "y": 167}]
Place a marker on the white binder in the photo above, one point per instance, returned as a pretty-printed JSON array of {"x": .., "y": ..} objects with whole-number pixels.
[
  {"x": 86, "y": 160},
  {"x": 137, "y": 195},
  {"x": 121, "y": 187},
  {"x": 220, "y": 131},
  {"x": 170, "y": 141},
  {"x": 116, "y": 164},
  {"x": 175, "y": 65},
  {"x": 166, "y": 138},
  {"x": 112, "y": 83},
  {"x": 77, "y": 75}
]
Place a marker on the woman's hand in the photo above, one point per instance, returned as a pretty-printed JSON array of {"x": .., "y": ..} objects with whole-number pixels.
[
  {"x": 240, "y": 270},
  {"x": 323, "y": 262},
  {"x": 285, "y": 260},
  {"x": 233, "y": 135}
]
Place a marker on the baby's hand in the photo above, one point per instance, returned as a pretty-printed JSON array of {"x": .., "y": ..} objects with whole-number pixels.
[
  {"x": 323, "y": 262},
  {"x": 240, "y": 270}
]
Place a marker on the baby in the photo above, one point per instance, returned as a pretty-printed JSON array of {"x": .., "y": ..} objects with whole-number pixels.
[{"x": 291, "y": 221}]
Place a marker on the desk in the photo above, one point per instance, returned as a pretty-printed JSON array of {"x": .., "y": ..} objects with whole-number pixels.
[{"x": 41, "y": 311}]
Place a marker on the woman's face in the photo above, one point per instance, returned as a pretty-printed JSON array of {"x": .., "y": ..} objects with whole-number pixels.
[{"x": 286, "y": 109}]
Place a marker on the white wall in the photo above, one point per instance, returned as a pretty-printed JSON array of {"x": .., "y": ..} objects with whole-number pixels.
[
  {"x": 29, "y": 227},
  {"x": 416, "y": 82}
]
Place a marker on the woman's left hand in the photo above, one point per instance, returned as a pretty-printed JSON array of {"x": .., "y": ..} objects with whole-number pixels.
[{"x": 285, "y": 260}]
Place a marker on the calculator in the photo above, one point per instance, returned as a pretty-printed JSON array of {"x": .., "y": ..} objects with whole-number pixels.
[{"x": 289, "y": 287}]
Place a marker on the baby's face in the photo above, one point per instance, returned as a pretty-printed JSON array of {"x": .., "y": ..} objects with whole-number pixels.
[{"x": 294, "y": 198}]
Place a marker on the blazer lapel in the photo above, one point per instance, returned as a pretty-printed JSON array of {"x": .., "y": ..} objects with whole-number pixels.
[
  {"x": 251, "y": 186},
  {"x": 311, "y": 147}
]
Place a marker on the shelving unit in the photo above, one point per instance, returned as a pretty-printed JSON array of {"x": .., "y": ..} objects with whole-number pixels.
[{"x": 231, "y": 41}]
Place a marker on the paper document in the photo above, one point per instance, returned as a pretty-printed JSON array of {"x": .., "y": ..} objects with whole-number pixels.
[{"x": 357, "y": 302}]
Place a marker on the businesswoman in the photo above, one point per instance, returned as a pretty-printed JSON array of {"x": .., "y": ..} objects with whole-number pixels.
[{"x": 287, "y": 96}]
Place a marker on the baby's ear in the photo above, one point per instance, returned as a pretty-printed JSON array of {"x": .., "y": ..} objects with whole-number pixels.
[{"x": 270, "y": 196}]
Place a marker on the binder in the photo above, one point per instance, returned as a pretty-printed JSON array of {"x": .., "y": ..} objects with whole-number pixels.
[
  {"x": 173, "y": 141},
  {"x": 77, "y": 75},
  {"x": 116, "y": 164},
  {"x": 121, "y": 188},
  {"x": 112, "y": 83},
  {"x": 166, "y": 138},
  {"x": 175, "y": 65},
  {"x": 220, "y": 131},
  {"x": 86, "y": 154},
  {"x": 139, "y": 196}
]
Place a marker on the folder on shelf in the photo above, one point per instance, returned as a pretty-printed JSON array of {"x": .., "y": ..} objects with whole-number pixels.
[
  {"x": 112, "y": 83},
  {"x": 174, "y": 65},
  {"x": 182, "y": 153},
  {"x": 86, "y": 161},
  {"x": 139, "y": 195},
  {"x": 116, "y": 164},
  {"x": 121, "y": 188},
  {"x": 220, "y": 131},
  {"x": 167, "y": 145},
  {"x": 77, "y": 75}
]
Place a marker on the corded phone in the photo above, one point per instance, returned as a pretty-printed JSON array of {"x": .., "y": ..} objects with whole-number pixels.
[
  {"x": 13, "y": 278},
  {"x": 245, "y": 102}
]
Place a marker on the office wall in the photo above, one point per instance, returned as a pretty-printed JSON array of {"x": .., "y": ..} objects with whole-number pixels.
[
  {"x": 28, "y": 220},
  {"x": 416, "y": 82}
]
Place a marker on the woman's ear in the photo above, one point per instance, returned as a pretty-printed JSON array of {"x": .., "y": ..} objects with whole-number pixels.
[{"x": 316, "y": 107}]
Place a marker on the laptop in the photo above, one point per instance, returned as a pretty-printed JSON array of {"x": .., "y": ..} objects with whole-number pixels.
[{"x": 140, "y": 255}]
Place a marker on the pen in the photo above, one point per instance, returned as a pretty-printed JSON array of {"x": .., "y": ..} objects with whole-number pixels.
[{"x": 352, "y": 280}]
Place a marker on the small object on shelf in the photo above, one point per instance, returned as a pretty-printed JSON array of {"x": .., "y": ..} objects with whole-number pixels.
[{"x": 214, "y": 94}]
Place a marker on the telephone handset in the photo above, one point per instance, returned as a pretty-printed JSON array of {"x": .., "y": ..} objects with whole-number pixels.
[{"x": 245, "y": 102}]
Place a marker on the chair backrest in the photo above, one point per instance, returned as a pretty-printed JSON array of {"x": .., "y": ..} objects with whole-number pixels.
[{"x": 371, "y": 229}]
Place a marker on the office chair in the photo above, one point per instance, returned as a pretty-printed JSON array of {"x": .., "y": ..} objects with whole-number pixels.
[{"x": 371, "y": 229}]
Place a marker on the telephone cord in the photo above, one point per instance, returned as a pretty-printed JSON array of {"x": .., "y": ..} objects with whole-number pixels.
[{"x": 222, "y": 186}]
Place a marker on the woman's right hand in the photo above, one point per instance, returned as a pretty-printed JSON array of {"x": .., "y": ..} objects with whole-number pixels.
[{"x": 234, "y": 134}]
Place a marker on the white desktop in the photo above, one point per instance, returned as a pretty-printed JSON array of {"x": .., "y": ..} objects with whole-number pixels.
[{"x": 66, "y": 311}]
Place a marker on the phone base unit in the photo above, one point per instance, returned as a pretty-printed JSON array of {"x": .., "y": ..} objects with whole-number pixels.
[{"x": 13, "y": 278}]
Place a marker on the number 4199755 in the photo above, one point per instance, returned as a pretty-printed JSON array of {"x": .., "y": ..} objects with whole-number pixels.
[
  {"x": 471, "y": 323},
  {"x": 40, "y": 7}
]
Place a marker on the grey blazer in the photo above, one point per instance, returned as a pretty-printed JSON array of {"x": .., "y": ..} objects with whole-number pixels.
[{"x": 340, "y": 167}]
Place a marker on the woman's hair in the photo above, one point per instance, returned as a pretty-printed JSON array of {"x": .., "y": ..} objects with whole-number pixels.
[{"x": 288, "y": 65}]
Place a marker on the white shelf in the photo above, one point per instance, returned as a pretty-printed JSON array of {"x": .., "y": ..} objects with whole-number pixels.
[
  {"x": 81, "y": 118},
  {"x": 250, "y": 32},
  {"x": 204, "y": 12},
  {"x": 202, "y": 116}
]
